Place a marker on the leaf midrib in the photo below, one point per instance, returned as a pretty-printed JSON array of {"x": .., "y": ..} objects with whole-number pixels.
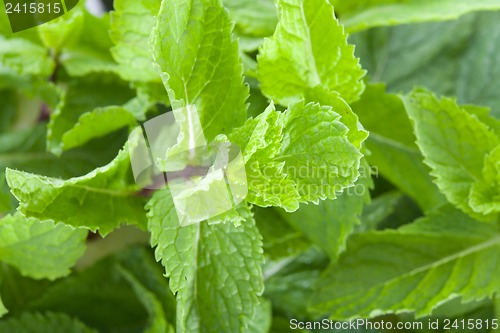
[
  {"x": 491, "y": 242},
  {"x": 115, "y": 193},
  {"x": 309, "y": 47}
]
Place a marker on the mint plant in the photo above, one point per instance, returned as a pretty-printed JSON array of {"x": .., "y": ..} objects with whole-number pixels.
[{"x": 370, "y": 136}]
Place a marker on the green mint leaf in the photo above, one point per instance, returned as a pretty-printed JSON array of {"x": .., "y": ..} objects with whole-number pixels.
[
  {"x": 62, "y": 31},
  {"x": 24, "y": 57},
  {"x": 84, "y": 96},
  {"x": 250, "y": 70},
  {"x": 199, "y": 63},
  {"x": 97, "y": 123},
  {"x": 249, "y": 44},
  {"x": 308, "y": 49},
  {"x": 90, "y": 52},
  {"x": 392, "y": 146},
  {"x": 260, "y": 140},
  {"x": 315, "y": 142},
  {"x": 152, "y": 92},
  {"x": 385, "y": 272},
  {"x": 262, "y": 320},
  {"x": 357, "y": 135},
  {"x": 25, "y": 150},
  {"x": 485, "y": 193},
  {"x": 330, "y": 223},
  {"x": 259, "y": 136},
  {"x": 253, "y": 17},
  {"x": 366, "y": 14},
  {"x": 4, "y": 23},
  {"x": 101, "y": 200},
  {"x": 300, "y": 155},
  {"x": 131, "y": 25},
  {"x": 485, "y": 116},
  {"x": 46, "y": 322},
  {"x": 454, "y": 144},
  {"x": 208, "y": 264},
  {"x": 40, "y": 249}
]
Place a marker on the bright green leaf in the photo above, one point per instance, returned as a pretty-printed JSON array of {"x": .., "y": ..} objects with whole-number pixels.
[
  {"x": 199, "y": 63},
  {"x": 214, "y": 269},
  {"x": 392, "y": 146},
  {"x": 25, "y": 150},
  {"x": 90, "y": 52},
  {"x": 62, "y": 31},
  {"x": 454, "y": 144},
  {"x": 300, "y": 155},
  {"x": 100, "y": 200},
  {"x": 308, "y": 49},
  {"x": 263, "y": 317},
  {"x": 253, "y": 18},
  {"x": 25, "y": 57},
  {"x": 485, "y": 193},
  {"x": 97, "y": 123},
  {"x": 260, "y": 141},
  {"x": 84, "y": 96},
  {"x": 316, "y": 151},
  {"x": 152, "y": 92},
  {"x": 357, "y": 134},
  {"x": 485, "y": 116},
  {"x": 40, "y": 249},
  {"x": 131, "y": 25}
]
